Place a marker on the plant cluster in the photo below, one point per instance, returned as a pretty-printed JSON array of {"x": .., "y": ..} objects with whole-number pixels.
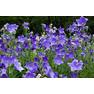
[{"x": 54, "y": 54}]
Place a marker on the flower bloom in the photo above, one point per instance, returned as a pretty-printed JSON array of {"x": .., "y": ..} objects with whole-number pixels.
[
  {"x": 70, "y": 55},
  {"x": 21, "y": 38},
  {"x": 11, "y": 27},
  {"x": 53, "y": 74},
  {"x": 29, "y": 74},
  {"x": 11, "y": 60},
  {"x": 81, "y": 21},
  {"x": 58, "y": 60},
  {"x": 33, "y": 67},
  {"x": 48, "y": 71},
  {"x": 73, "y": 28},
  {"x": 26, "y": 25},
  {"x": 74, "y": 75},
  {"x": 61, "y": 30},
  {"x": 76, "y": 65}
]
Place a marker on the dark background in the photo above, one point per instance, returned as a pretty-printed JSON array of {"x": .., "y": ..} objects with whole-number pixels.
[{"x": 36, "y": 21}]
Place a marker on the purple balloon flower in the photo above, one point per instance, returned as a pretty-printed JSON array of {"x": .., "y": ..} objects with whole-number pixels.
[
  {"x": 76, "y": 65},
  {"x": 4, "y": 76},
  {"x": 41, "y": 54},
  {"x": 73, "y": 28},
  {"x": 33, "y": 67},
  {"x": 46, "y": 44},
  {"x": 45, "y": 59},
  {"x": 47, "y": 68},
  {"x": 74, "y": 75},
  {"x": 26, "y": 25},
  {"x": 53, "y": 40},
  {"x": 62, "y": 39},
  {"x": 11, "y": 60},
  {"x": 2, "y": 65},
  {"x": 21, "y": 39},
  {"x": 58, "y": 60},
  {"x": 3, "y": 71},
  {"x": 36, "y": 59},
  {"x": 70, "y": 55},
  {"x": 29, "y": 75},
  {"x": 11, "y": 27},
  {"x": 52, "y": 74},
  {"x": 34, "y": 46},
  {"x": 61, "y": 30},
  {"x": 60, "y": 52},
  {"x": 81, "y": 21},
  {"x": 83, "y": 53}
]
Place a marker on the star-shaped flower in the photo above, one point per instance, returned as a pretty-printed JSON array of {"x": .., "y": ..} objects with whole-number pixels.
[
  {"x": 81, "y": 21},
  {"x": 76, "y": 65},
  {"x": 11, "y": 27}
]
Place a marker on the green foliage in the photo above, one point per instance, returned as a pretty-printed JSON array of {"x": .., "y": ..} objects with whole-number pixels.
[
  {"x": 27, "y": 56},
  {"x": 12, "y": 73},
  {"x": 88, "y": 71}
]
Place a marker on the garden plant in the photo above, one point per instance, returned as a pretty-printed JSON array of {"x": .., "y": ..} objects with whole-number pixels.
[{"x": 56, "y": 53}]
